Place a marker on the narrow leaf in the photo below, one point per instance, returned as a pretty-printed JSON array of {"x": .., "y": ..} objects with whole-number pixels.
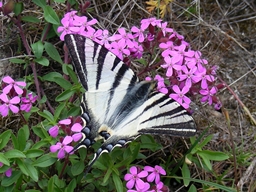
[
  {"x": 50, "y": 15},
  {"x": 52, "y": 52}
]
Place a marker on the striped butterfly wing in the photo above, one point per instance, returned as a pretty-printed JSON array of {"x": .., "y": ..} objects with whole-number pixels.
[{"x": 116, "y": 106}]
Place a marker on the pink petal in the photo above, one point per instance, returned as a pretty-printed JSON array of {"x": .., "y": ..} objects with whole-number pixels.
[
  {"x": 176, "y": 89},
  {"x": 130, "y": 184},
  {"x": 68, "y": 148},
  {"x": 54, "y": 131},
  {"x": 4, "y": 110},
  {"x": 143, "y": 174},
  {"x": 65, "y": 122},
  {"x": 77, "y": 136},
  {"x": 67, "y": 140},
  {"x": 15, "y": 100},
  {"x": 21, "y": 83},
  {"x": 151, "y": 177},
  {"x": 77, "y": 127},
  {"x": 127, "y": 176},
  {"x": 18, "y": 90},
  {"x": 139, "y": 184},
  {"x": 7, "y": 89},
  {"x": 55, "y": 148},
  {"x": 8, "y": 79},
  {"x": 8, "y": 173},
  {"x": 61, "y": 154},
  {"x": 133, "y": 170},
  {"x": 4, "y": 98},
  {"x": 14, "y": 108}
]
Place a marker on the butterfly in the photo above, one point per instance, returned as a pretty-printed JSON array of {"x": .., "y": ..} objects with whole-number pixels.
[{"x": 116, "y": 106}]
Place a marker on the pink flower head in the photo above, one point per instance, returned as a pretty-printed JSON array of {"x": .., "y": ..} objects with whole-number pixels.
[
  {"x": 63, "y": 147},
  {"x": 13, "y": 84},
  {"x": 189, "y": 75},
  {"x": 155, "y": 173},
  {"x": 77, "y": 128},
  {"x": 123, "y": 37},
  {"x": 27, "y": 102},
  {"x": 138, "y": 33},
  {"x": 8, "y": 104},
  {"x": 134, "y": 178},
  {"x": 168, "y": 47},
  {"x": 208, "y": 95},
  {"x": 170, "y": 64},
  {"x": 180, "y": 96},
  {"x": 153, "y": 21},
  {"x": 201, "y": 73},
  {"x": 119, "y": 48},
  {"x": 84, "y": 23},
  {"x": 165, "y": 29},
  {"x": 1, "y": 4},
  {"x": 144, "y": 189}
]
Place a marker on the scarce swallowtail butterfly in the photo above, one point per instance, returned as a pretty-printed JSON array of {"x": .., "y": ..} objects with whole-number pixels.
[{"x": 116, "y": 106}]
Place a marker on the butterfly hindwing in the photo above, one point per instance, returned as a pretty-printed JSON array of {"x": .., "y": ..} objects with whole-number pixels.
[{"x": 116, "y": 106}]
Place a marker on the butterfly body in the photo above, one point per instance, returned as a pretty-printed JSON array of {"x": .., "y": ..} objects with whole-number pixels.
[{"x": 116, "y": 106}]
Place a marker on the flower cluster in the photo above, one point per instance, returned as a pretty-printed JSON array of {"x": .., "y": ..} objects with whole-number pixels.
[
  {"x": 186, "y": 73},
  {"x": 148, "y": 179},
  {"x": 71, "y": 127},
  {"x": 14, "y": 98}
]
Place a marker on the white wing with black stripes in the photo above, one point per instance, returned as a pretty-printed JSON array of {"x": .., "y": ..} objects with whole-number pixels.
[{"x": 116, "y": 105}]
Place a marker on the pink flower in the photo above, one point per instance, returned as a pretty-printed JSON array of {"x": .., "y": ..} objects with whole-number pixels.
[
  {"x": 8, "y": 173},
  {"x": 27, "y": 102},
  {"x": 153, "y": 21},
  {"x": 180, "y": 51},
  {"x": 134, "y": 178},
  {"x": 165, "y": 29},
  {"x": 204, "y": 77},
  {"x": 1, "y": 4},
  {"x": 180, "y": 96},
  {"x": 123, "y": 38},
  {"x": 168, "y": 47},
  {"x": 138, "y": 33},
  {"x": 67, "y": 27},
  {"x": 170, "y": 64},
  {"x": 13, "y": 84},
  {"x": 144, "y": 189},
  {"x": 54, "y": 131},
  {"x": 8, "y": 104},
  {"x": 208, "y": 94},
  {"x": 189, "y": 75},
  {"x": 84, "y": 23},
  {"x": 119, "y": 48},
  {"x": 63, "y": 147},
  {"x": 77, "y": 128},
  {"x": 156, "y": 172}
]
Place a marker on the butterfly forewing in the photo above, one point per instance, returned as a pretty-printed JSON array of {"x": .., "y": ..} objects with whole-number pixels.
[{"x": 116, "y": 106}]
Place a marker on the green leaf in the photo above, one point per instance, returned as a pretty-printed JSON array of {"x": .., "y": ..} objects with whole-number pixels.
[
  {"x": 30, "y": 19},
  {"x": 19, "y": 61},
  {"x": 38, "y": 48},
  {"x": 21, "y": 137},
  {"x": 205, "y": 160},
  {"x": 50, "y": 15},
  {"x": 40, "y": 3},
  {"x": 205, "y": 141},
  {"x": 65, "y": 95},
  {"x": 4, "y": 160},
  {"x": 47, "y": 115},
  {"x": 60, "y": 1},
  {"x": 28, "y": 169},
  {"x": 214, "y": 155},
  {"x": 44, "y": 161},
  {"x": 72, "y": 74},
  {"x": 77, "y": 168},
  {"x": 4, "y": 138},
  {"x": 186, "y": 174},
  {"x": 52, "y": 52},
  {"x": 18, "y": 8},
  {"x": 192, "y": 188},
  {"x": 40, "y": 132},
  {"x": 43, "y": 61},
  {"x": 39, "y": 144},
  {"x": 118, "y": 183},
  {"x": 32, "y": 153},
  {"x": 71, "y": 186},
  {"x": 63, "y": 83},
  {"x": 50, "y": 186},
  {"x": 58, "y": 111},
  {"x": 7, "y": 181},
  {"x": 14, "y": 153},
  {"x": 51, "y": 76}
]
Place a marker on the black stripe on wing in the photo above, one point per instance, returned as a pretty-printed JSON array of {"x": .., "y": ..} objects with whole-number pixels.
[{"x": 76, "y": 45}]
